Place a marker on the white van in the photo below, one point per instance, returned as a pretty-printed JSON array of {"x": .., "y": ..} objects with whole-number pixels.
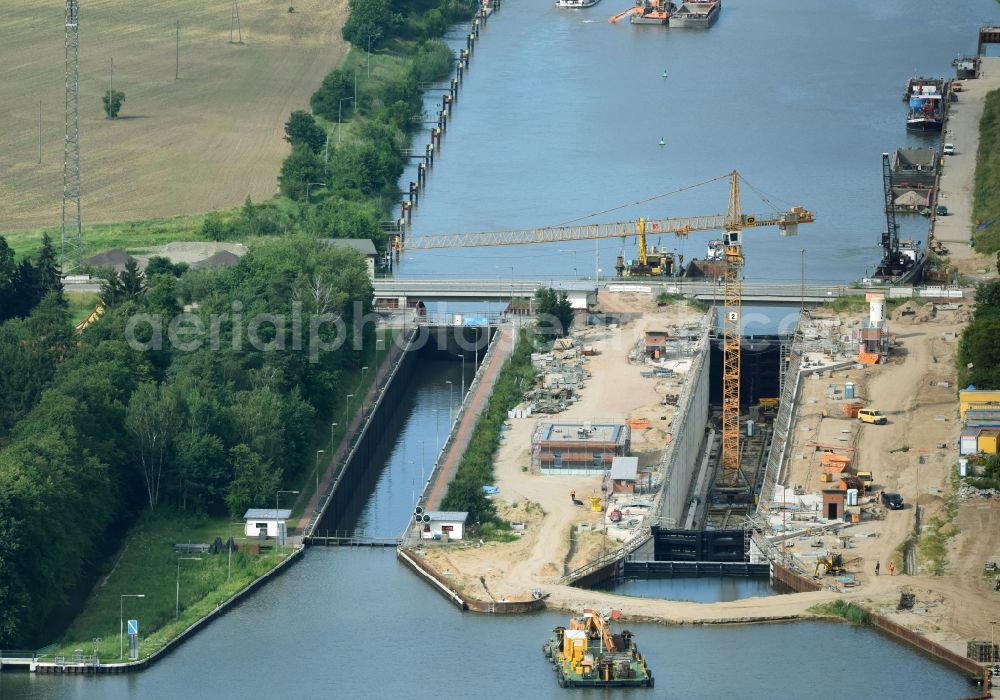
[{"x": 949, "y": 149}]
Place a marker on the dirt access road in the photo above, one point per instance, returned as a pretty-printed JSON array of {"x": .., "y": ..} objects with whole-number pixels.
[
  {"x": 201, "y": 142},
  {"x": 916, "y": 390}
]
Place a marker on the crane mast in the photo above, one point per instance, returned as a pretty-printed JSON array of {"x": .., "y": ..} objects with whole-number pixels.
[{"x": 732, "y": 296}]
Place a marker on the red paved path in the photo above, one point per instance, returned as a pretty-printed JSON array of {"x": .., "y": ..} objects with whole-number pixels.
[{"x": 463, "y": 433}]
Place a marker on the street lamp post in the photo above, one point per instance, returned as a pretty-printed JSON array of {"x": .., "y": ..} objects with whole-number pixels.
[
  {"x": 332, "y": 426},
  {"x": 318, "y": 453},
  {"x": 462, "y": 394},
  {"x": 347, "y": 409},
  {"x": 310, "y": 184},
  {"x": 339, "y": 106},
  {"x": 121, "y": 620},
  {"x": 369, "y": 53},
  {"x": 361, "y": 386},
  {"x": 451, "y": 401},
  {"x": 177, "y": 604},
  {"x": 277, "y": 535}
]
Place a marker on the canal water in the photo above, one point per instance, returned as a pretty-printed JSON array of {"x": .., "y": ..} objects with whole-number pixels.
[
  {"x": 561, "y": 114},
  {"x": 354, "y": 623},
  {"x": 559, "y": 117},
  {"x": 702, "y": 589}
]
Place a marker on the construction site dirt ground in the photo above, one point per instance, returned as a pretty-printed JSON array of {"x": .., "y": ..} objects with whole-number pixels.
[
  {"x": 616, "y": 391},
  {"x": 950, "y": 608},
  {"x": 913, "y": 454}
]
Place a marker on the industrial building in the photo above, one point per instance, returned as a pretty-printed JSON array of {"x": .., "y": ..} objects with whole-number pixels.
[{"x": 579, "y": 448}]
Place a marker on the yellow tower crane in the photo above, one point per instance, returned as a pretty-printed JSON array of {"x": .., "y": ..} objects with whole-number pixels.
[{"x": 731, "y": 223}]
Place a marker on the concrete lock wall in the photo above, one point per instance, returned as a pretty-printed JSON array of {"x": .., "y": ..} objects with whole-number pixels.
[{"x": 688, "y": 430}]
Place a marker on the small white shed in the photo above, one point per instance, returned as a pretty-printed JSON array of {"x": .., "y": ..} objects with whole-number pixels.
[
  {"x": 969, "y": 442},
  {"x": 439, "y": 523},
  {"x": 266, "y": 522}
]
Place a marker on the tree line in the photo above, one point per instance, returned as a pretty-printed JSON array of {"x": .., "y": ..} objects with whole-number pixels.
[
  {"x": 95, "y": 429},
  {"x": 978, "y": 349}
]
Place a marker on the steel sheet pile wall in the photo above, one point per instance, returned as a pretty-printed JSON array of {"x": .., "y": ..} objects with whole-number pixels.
[{"x": 680, "y": 459}]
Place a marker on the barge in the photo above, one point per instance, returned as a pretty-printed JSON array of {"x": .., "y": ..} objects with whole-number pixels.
[
  {"x": 696, "y": 14},
  {"x": 652, "y": 12},
  {"x": 576, "y": 4},
  {"x": 589, "y": 655}
]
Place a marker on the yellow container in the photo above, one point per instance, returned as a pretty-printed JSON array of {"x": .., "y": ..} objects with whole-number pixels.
[{"x": 988, "y": 440}]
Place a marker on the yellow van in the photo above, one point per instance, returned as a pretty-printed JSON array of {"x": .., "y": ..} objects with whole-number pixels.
[{"x": 870, "y": 415}]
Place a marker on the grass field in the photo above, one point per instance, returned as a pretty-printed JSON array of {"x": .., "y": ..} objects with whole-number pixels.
[
  {"x": 147, "y": 565},
  {"x": 201, "y": 142},
  {"x": 81, "y": 305},
  {"x": 987, "y": 195}
]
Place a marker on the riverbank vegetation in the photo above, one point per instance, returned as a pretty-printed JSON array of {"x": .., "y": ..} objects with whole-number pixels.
[
  {"x": 842, "y": 609},
  {"x": 978, "y": 360},
  {"x": 104, "y": 426},
  {"x": 986, "y": 201},
  {"x": 147, "y": 565},
  {"x": 144, "y": 419},
  {"x": 465, "y": 493}
]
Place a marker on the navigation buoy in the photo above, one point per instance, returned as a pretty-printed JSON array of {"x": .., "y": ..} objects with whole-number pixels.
[
  {"x": 664, "y": 74},
  {"x": 662, "y": 142}
]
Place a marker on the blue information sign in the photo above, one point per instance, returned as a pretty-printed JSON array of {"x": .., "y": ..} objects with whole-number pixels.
[{"x": 133, "y": 627}]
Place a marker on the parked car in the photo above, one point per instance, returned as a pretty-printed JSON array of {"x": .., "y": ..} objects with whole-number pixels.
[
  {"x": 949, "y": 149},
  {"x": 870, "y": 415},
  {"x": 892, "y": 500},
  {"x": 941, "y": 210}
]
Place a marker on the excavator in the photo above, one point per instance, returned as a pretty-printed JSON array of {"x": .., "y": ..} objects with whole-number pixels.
[
  {"x": 832, "y": 564},
  {"x": 656, "y": 263}
]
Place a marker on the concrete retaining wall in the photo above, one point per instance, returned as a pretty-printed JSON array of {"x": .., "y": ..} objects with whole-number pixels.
[
  {"x": 688, "y": 430},
  {"x": 459, "y": 599}
]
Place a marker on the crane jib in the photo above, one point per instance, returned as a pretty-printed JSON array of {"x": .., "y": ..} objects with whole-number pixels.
[{"x": 680, "y": 226}]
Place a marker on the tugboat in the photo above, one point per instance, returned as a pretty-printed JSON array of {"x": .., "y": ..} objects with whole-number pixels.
[{"x": 589, "y": 655}]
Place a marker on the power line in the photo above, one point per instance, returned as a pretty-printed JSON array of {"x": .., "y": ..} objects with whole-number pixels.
[{"x": 71, "y": 245}]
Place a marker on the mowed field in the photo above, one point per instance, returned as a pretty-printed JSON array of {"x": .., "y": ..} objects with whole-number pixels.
[{"x": 201, "y": 142}]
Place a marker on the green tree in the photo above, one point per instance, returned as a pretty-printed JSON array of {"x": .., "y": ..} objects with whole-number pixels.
[
  {"x": 467, "y": 495},
  {"x": 113, "y": 101},
  {"x": 8, "y": 281},
  {"x": 326, "y": 102},
  {"x": 366, "y": 20},
  {"x": 301, "y": 127},
  {"x": 255, "y": 481},
  {"x": 555, "y": 315},
  {"x": 299, "y": 169},
  {"x": 159, "y": 265},
  {"x": 201, "y": 469},
  {"x": 49, "y": 277},
  {"x": 152, "y": 421}
]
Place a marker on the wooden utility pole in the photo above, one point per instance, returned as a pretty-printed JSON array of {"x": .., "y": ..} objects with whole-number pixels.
[
  {"x": 177, "y": 64},
  {"x": 39, "y": 132}
]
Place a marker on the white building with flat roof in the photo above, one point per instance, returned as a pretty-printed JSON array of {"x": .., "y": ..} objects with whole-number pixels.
[
  {"x": 439, "y": 523},
  {"x": 266, "y": 522}
]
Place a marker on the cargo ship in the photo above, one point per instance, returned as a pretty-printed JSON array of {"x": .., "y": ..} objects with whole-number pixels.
[
  {"x": 925, "y": 100},
  {"x": 589, "y": 655}
]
